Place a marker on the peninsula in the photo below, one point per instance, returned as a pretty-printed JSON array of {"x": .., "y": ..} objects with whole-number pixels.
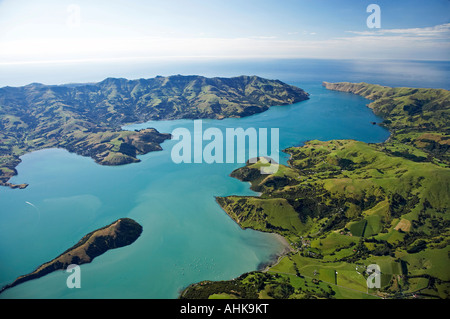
[
  {"x": 122, "y": 232},
  {"x": 344, "y": 205},
  {"x": 418, "y": 119},
  {"x": 87, "y": 118}
]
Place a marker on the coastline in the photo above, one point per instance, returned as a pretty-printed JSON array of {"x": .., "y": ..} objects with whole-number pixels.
[
  {"x": 97, "y": 133},
  {"x": 287, "y": 248},
  {"x": 258, "y": 194},
  {"x": 274, "y": 259}
]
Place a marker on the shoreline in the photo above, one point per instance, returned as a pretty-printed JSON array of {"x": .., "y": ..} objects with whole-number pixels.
[
  {"x": 287, "y": 248},
  {"x": 275, "y": 258}
]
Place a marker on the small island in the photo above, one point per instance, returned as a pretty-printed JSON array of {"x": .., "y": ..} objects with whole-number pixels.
[{"x": 122, "y": 232}]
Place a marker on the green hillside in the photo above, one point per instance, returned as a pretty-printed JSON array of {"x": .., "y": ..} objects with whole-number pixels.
[{"x": 344, "y": 205}]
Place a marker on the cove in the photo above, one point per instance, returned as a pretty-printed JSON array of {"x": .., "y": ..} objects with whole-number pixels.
[{"x": 186, "y": 236}]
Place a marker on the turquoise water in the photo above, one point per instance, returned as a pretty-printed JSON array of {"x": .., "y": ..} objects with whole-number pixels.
[{"x": 187, "y": 237}]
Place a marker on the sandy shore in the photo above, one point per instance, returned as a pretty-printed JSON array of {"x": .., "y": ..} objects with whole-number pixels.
[{"x": 287, "y": 248}]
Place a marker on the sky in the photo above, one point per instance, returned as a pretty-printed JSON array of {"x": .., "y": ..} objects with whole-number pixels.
[{"x": 50, "y": 31}]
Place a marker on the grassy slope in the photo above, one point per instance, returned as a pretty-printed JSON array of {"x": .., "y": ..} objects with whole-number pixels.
[{"x": 345, "y": 204}]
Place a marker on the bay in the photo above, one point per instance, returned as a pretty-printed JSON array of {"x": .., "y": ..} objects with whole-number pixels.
[{"x": 187, "y": 237}]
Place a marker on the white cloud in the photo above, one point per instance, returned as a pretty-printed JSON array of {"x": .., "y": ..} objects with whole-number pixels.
[
  {"x": 410, "y": 43},
  {"x": 415, "y": 43},
  {"x": 439, "y": 31}
]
